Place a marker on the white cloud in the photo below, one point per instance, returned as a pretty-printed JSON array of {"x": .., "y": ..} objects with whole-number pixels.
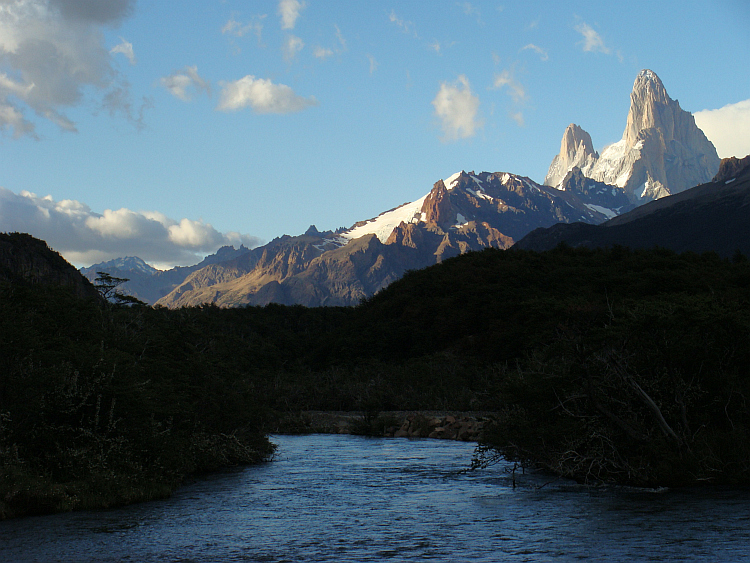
[
  {"x": 126, "y": 49},
  {"x": 515, "y": 88},
  {"x": 69, "y": 32},
  {"x": 84, "y": 237},
  {"x": 262, "y": 95},
  {"x": 321, "y": 52},
  {"x": 289, "y": 11},
  {"x": 183, "y": 83},
  {"x": 292, "y": 46},
  {"x": 592, "y": 41},
  {"x": 728, "y": 128},
  {"x": 538, "y": 50},
  {"x": 517, "y": 116},
  {"x": 457, "y": 108}
]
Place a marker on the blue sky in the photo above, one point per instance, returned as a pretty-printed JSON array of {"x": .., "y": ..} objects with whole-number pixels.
[{"x": 165, "y": 130}]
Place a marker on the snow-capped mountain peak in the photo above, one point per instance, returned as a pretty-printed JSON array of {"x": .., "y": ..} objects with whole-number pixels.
[{"x": 661, "y": 152}]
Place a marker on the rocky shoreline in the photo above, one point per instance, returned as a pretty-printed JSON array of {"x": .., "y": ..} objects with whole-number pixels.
[{"x": 463, "y": 426}]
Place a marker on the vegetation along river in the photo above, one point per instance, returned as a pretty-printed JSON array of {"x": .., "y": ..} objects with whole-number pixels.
[{"x": 350, "y": 498}]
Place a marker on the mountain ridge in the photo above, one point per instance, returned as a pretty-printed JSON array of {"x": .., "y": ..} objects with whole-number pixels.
[{"x": 467, "y": 211}]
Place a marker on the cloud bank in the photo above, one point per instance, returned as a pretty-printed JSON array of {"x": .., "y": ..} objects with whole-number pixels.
[
  {"x": 262, "y": 95},
  {"x": 50, "y": 51},
  {"x": 728, "y": 128},
  {"x": 457, "y": 108},
  {"x": 84, "y": 237}
]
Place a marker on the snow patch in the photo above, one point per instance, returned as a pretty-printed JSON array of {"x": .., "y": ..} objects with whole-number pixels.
[
  {"x": 528, "y": 185},
  {"x": 451, "y": 181},
  {"x": 607, "y": 212},
  {"x": 504, "y": 180},
  {"x": 337, "y": 241},
  {"x": 480, "y": 194},
  {"x": 382, "y": 226},
  {"x": 730, "y": 181}
]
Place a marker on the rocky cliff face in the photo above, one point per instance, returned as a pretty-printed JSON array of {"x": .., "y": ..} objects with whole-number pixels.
[
  {"x": 661, "y": 152},
  {"x": 465, "y": 212},
  {"x": 731, "y": 168},
  {"x": 576, "y": 151}
]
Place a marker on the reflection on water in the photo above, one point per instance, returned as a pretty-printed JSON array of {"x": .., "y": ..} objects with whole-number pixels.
[{"x": 346, "y": 498}]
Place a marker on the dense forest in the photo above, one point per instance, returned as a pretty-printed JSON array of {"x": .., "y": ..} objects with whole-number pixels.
[{"x": 602, "y": 365}]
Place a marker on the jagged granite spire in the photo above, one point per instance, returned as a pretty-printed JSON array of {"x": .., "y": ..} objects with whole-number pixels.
[
  {"x": 576, "y": 150},
  {"x": 662, "y": 150}
]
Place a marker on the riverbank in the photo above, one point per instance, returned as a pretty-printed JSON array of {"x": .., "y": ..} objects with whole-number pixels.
[{"x": 462, "y": 426}]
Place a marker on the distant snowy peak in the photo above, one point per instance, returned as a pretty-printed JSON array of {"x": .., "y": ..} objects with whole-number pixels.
[
  {"x": 661, "y": 152},
  {"x": 127, "y": 264}
]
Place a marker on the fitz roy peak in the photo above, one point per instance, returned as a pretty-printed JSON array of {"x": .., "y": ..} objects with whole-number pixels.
[{"x": 661, "y": 152}]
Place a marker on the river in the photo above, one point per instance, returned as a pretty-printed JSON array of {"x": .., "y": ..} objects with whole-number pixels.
[{"x": 348, "y": 498}]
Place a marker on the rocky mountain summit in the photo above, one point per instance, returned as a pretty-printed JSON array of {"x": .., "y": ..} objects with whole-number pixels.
[{"x": 662, "y": 151}]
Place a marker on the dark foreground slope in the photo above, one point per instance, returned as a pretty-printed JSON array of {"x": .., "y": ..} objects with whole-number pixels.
[
  {"x": 710, "y": 217},
  {"x": 103, "y": 405}
]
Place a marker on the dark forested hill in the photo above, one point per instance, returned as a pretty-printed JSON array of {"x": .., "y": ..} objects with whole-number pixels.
[{"x": 25, "y": 259}]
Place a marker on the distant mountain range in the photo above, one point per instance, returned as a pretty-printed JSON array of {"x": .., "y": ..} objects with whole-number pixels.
[
  {"x": 149, "y": 284},
  {"x": 662, "y": 152},
  {"x": 467, "y": 211}
]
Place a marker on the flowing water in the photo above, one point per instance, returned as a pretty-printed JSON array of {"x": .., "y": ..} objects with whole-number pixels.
[{"x": 347, "y": 498}]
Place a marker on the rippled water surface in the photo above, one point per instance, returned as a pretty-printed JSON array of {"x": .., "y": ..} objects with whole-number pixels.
[{"x": 346, "y": 498}]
